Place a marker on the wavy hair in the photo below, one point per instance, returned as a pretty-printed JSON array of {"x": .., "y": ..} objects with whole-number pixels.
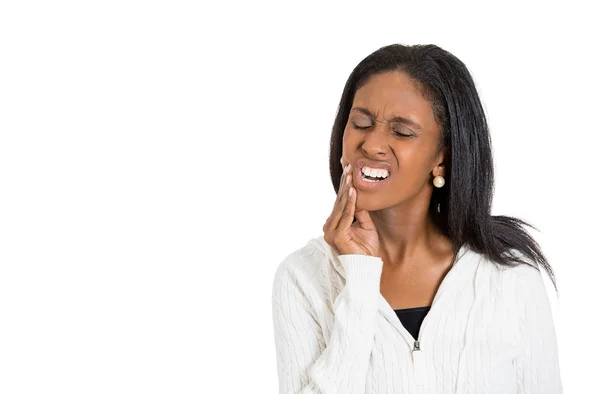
[{"x": 465, "y": 200}]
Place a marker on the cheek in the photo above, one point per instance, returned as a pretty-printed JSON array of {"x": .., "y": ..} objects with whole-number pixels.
[
  {"x": 413, "y": 168},
  {"x": 345, "y": 136},
  {"x": 349, "y": 141},
  {"x": 413, "y": 155}
]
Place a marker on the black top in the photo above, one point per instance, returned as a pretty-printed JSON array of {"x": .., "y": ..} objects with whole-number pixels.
[{"x": 412, "y": 318}]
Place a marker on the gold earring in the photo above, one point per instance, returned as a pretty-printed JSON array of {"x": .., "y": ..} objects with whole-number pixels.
[{"x": 439, "y": 181}]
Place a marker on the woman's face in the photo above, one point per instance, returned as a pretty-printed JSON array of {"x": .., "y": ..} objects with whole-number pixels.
[{"x": 407, "y": 143}]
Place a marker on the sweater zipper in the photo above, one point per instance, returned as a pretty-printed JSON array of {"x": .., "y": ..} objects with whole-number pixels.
[
  {"x": 418, "y": 362},
  {"x": 417, "y": 355},
  {"x": 416, "y": 352}
]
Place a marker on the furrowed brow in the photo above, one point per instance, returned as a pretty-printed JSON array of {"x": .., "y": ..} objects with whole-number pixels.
[{"x": 398, "y": 119}]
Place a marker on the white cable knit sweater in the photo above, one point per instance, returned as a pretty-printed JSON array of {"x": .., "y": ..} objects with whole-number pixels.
[{"x": 489, "y": 330}]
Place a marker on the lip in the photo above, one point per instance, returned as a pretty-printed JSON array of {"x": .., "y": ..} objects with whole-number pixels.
[{"x": 364, "y": 185}]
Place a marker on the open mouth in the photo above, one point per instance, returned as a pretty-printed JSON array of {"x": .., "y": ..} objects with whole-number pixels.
[{"x": 374, "y": 178}]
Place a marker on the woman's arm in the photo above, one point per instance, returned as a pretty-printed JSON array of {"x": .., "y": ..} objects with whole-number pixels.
[
  {"x": 538, "y": 369},
  {"x": 341, "y": 367}
]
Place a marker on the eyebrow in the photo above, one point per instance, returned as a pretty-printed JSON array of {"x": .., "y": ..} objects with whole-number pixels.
[{"x": 400, "y": 119}]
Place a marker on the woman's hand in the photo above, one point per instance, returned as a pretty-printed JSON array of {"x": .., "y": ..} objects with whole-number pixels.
[{"x": 340, "y": 233}]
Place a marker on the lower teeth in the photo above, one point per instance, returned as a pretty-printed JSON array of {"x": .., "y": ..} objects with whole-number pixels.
[{"x": 372, "y": 179}]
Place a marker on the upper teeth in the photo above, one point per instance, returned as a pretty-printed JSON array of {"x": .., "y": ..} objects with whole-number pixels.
[{"x": 375, "y": 172}]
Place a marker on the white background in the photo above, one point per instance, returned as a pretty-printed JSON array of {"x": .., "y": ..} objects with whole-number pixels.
[{"x": 159, "y": 159}]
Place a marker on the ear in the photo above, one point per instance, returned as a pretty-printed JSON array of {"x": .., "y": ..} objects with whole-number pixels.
[{"x": 440, "y": 162}]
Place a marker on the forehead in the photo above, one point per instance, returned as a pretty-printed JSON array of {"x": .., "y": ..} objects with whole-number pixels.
[{"x": 393, "y": 94}]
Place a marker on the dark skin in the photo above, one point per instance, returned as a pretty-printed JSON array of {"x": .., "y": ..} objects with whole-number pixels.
[{"x": 416, "y": 255}]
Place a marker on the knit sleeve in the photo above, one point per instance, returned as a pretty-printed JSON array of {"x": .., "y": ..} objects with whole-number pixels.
[
  {"x": 537, "y": 366},
  {"x": 305, "y": 364}
]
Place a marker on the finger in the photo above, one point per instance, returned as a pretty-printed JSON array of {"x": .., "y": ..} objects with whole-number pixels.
[
  {"x": 326, "y": 224},
  {"x": 340, "y": 204},
  {"x": 342, "y": 184},
  {"x": 348, "y": 216},
  {"x": 340, "y": 195},
  {"x": 350, "y": 203},
  {"x": 364, "y": 219},
  {"x": 336, "y": 207}
]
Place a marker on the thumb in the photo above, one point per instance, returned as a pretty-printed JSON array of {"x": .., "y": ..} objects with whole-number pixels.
[{"x": 364, "y": 219}]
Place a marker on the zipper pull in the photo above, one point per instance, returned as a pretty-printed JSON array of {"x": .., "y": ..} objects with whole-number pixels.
[{"x": 418, "y": 364}]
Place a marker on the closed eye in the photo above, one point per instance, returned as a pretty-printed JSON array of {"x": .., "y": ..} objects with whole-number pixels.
[{"x": 366, "y": 127}]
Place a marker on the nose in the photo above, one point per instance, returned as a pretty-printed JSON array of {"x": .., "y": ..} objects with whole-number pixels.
[{"x": 375, "y": 142}]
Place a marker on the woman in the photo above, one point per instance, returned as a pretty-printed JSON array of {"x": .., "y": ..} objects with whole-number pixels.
[{"x": 414, "y": 287}]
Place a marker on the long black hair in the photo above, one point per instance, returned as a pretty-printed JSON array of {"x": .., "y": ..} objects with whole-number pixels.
[{"x": 465, "y": 200}]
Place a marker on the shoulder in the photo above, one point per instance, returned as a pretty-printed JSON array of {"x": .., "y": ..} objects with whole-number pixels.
[
  {"x": 308, "y": 267},
  {"x": 530, "y": 305},
  {"x": 523, "y": 276},
  {"x": 521, "y": 285},
  {"x": 525, "y": 285}
]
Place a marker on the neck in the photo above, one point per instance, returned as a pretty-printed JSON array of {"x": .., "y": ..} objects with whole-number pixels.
[{"x": 407, "y": 236}]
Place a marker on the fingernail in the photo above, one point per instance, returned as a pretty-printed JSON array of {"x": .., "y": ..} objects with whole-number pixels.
[
  {"x": 347, "y": 179},
  {"x": 350, "y": 192}
]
